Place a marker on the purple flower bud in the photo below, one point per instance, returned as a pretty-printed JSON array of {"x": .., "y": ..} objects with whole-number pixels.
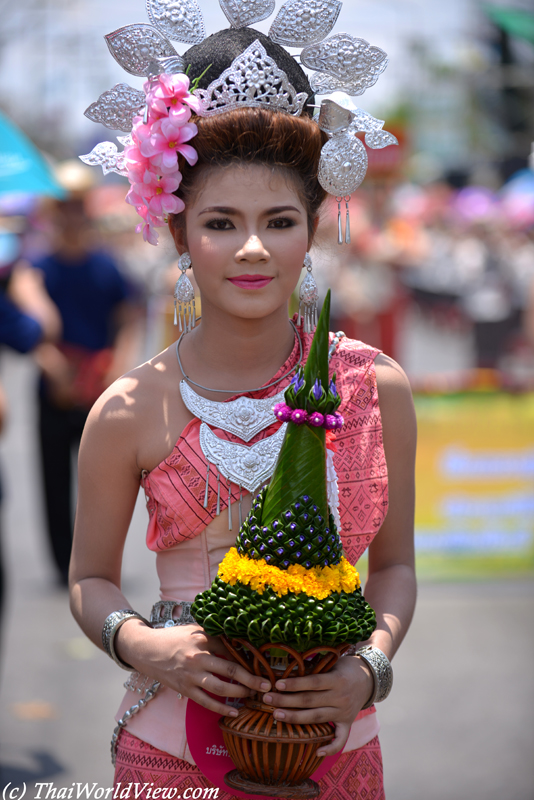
[
  {"x": 282, "y": 412},
  {"x": 316, "y": 419},
  {"x": 317, "y": 389},
  {"x": 297, "y": 382},
  {"x": 330, "y": 422},
  {"x": 339, "y": 420},
  {"x": 332, "y": 388},
  {"x": 299, "y": 416}
]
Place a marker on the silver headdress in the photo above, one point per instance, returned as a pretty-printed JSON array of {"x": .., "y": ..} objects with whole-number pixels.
[{"x": 342, "y": 63}]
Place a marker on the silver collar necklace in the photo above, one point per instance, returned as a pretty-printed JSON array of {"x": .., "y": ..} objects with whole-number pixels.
[{"x": 241, "y": 391}]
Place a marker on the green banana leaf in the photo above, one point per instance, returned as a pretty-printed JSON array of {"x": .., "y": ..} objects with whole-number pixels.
[{"x": 301, "y": 466}]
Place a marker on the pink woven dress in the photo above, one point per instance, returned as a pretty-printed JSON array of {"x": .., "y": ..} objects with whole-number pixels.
[{"x": 190, "y": 544}]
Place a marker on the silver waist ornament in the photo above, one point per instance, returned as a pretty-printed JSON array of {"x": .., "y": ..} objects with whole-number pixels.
[{"x": 343, "y": 64}]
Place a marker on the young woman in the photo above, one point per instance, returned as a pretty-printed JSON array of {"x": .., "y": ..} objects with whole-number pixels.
[{"x": 251, "y": 210}]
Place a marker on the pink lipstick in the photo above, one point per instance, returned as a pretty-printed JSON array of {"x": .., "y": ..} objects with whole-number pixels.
[{"x": 251, "y": 281}]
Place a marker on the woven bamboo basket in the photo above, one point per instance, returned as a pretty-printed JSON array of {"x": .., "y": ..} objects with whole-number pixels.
[{"x": 273, "y": 757}]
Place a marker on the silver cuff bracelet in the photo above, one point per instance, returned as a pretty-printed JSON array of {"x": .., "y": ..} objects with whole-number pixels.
[
  {"x": 109, "y": 630},
  {"x": 380, "y": 666}
]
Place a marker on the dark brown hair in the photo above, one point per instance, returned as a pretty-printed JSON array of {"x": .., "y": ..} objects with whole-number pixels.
[{"x": 291, "y": 145}]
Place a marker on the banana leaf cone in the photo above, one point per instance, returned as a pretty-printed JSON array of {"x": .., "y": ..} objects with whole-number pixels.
[{"x": 286, "y": 580}]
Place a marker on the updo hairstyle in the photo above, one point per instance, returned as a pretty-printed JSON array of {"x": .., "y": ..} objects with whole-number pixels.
[{"x": 288, "y": 144}]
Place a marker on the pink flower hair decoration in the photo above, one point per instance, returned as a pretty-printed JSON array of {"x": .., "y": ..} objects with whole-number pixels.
[{"x": 151, "y": 160}]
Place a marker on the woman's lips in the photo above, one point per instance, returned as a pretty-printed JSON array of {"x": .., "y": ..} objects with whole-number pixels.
[{"x": 251, "y": 281}]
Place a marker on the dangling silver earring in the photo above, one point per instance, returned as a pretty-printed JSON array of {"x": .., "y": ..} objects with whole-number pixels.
[
  {"x": 308, "y": 296},
  {"x": 184, "y": 297}
]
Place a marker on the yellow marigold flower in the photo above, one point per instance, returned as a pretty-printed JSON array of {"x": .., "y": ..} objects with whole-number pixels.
[{"x": 318, "y": 582}]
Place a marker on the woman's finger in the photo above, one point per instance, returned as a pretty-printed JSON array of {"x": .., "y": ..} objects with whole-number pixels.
[
  {"x": 338, "y": 742},
  {"x": 296, "y": 717},
  {"x": 233, "y": 671},
  {"x": 309, "y": 683},
  {"x": 222, "y": 688},
  {"x": 298, "y": 700},
  {"x": 206, "y": 701}
]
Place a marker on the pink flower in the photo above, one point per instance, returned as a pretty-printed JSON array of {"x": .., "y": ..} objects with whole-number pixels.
[
  {"x": 157, "y": 193},
  {"x": 330, "y": 422},
  {"x": 163, "y": 146},
  {"x": 299, "y": 416},
  {"x": 152, "y": 159},
  {"x": 170, "y": 91},
  {"x": 316, "y": 419}
]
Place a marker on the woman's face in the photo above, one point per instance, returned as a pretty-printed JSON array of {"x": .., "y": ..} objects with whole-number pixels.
[{"x": 247, "y": 235}]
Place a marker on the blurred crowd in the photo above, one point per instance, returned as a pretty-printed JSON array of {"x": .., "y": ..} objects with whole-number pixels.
[{"x": 463, "y": 258}]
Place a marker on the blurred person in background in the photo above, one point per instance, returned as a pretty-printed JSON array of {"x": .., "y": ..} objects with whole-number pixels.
[
  {"x": 100, "y": 318},
  {"x": 27, "y": 318}
]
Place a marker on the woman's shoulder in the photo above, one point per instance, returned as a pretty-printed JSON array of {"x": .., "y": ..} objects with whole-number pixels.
[{"x": 130, "y": 401}]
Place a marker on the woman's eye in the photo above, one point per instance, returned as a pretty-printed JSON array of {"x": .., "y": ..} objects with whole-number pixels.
[
  {"x": 220, "y": 224},
  {"x": 281, "y": 222}
]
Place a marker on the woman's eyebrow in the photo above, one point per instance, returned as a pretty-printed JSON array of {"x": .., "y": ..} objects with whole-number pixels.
[{"x": 234, "y": 211}]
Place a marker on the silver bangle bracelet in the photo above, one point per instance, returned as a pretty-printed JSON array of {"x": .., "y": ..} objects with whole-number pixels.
[
  {"x": 111, "y": 625},
  {"x": 380, "y": 666}
]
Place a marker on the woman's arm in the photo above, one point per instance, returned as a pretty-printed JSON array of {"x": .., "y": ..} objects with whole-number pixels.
[
  {"x": 339, "y": 695},
  {"x": 182, "y": 657}
]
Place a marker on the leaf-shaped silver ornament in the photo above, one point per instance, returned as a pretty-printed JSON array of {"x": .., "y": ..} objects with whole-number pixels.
[
  {"x": 302, "y": 22},
  {"x": 364, "y": 122},
  {"x": 351, "y": 65},
  {"x": 116, "y": 107},
  {"x": 180, "y": 20},
  {"x": 165, "y": 66},
  {"x": 106, "y": 155},
  {"x": 241, "y": 13},
  {"x": 342, "y": 165},
  {"x": 379, "y": 139},
  {"x": 135, "y": 46},
  {"x": 126, "y": 141}
]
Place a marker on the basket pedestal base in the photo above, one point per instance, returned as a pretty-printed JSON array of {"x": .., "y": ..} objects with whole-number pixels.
[
  {"x": 275, "y": 758},
  {"x": 304, "y": 790}
]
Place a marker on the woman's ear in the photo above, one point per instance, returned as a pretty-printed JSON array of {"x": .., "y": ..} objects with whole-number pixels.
[{"x": 177, "y": 231}]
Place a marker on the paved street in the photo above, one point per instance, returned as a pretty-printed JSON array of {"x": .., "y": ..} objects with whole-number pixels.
[{"x": 458, "y": 725}]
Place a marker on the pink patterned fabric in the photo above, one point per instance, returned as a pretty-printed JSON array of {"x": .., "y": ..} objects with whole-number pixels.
[
  {"x": 175, "y": 489},
  {"x": 357, "y": 775}
]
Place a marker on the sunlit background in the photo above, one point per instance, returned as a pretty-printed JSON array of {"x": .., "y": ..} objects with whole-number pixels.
[{"x": 439, "y": 274}]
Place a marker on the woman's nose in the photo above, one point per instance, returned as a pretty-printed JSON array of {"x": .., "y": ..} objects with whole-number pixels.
[{"x": 253, "y": 250}]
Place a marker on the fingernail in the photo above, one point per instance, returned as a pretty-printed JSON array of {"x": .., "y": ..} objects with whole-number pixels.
[
  {"x": 280, "y": 685},
  {"x": 320, "y": 753},
  {"x": 233, "y": 713},
  {"x": 279, "y": 715},
  {"x": 265, "y": 686},
  {"x": 267, "y": 698}
]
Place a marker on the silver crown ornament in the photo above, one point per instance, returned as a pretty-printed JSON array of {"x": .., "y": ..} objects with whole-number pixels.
[
  {"x": 252, "y": 79},
  {"x": 184, "y": 297},
  {"x": 342, "y": 64}
]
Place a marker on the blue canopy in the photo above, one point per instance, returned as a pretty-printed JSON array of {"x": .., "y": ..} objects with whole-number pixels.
[{"x": 22, "y": 167}]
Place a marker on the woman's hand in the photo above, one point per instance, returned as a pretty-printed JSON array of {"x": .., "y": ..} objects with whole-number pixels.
[
  {"x": 188, "y": 661},
  {"x": 337, "y": 696}
]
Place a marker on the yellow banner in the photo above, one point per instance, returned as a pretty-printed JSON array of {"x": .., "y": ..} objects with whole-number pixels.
[{"x": 475, "y": 485}]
